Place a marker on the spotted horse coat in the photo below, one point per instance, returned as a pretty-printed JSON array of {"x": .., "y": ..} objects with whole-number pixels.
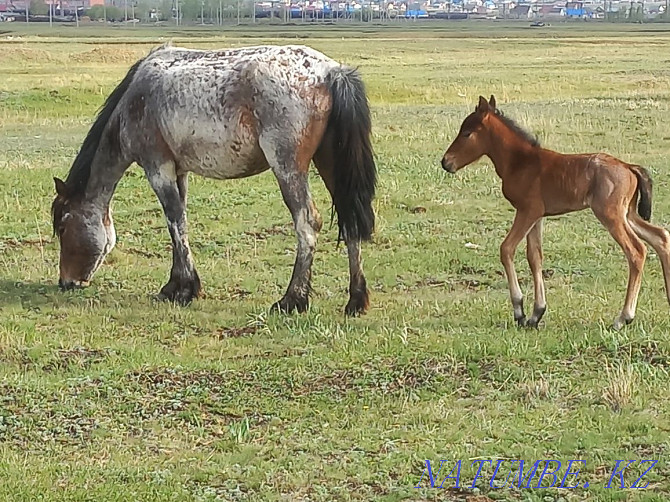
[{"x": 225, "y": 114}]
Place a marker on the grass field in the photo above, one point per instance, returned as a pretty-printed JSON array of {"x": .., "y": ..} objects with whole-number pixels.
[{"x": 107, "y": 395}]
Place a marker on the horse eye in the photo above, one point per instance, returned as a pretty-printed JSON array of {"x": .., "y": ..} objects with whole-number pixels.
[{"x": 466, "y": 134}]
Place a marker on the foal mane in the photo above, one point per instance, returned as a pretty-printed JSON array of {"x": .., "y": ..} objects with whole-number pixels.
[{"x": 525, "y": 135}]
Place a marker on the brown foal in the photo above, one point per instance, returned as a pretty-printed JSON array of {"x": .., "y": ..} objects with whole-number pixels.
[{"x": 540, "y": 182}]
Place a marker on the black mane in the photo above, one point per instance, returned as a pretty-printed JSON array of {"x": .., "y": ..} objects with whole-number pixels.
[
  {"x": 530, "y": 138},
  {"x": 80, "y": 172}
]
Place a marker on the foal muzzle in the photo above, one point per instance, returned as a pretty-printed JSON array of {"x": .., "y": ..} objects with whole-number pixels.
[{"x": 448, "y": 166}]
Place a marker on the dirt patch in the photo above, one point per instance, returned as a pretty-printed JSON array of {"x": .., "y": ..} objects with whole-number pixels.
[
  {"x": 12, "y": 243},
  {"x": 385, "y": 376},
  {"x": 106, "y": 55},
  {"x": 77, "y": 357},
  {"x": 648, "y": 351},
  {"x": 141, "y": 252},
  {"x": 285, "y": 229},
  {"x": 25, "y": 55},
  {"x": 236, "y": 332}
]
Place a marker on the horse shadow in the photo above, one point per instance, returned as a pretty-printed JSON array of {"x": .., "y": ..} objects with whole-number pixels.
[{"x": 26, "y": 294}]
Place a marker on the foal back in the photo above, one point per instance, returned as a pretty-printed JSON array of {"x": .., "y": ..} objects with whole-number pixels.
[{"x": 572, "y": 182}]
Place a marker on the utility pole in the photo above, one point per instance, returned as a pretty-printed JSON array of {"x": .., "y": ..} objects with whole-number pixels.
[
  {"x": 104, "y": 12},
  {"x": 51, "y": 6},
  {"x": 125, "y": 9},
  {"x": 253, "y": 12}
]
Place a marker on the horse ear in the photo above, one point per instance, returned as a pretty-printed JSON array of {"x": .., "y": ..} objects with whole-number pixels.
[
  {"x": 483, "y": 105},
  {"x": 61, "y": 188},
  {"x": 492, "y": 102}
]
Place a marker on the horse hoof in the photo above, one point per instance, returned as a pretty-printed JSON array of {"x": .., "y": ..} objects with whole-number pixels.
[
  {"x": 357, "y": 306},
  {"x": 521, "y": 322},
  {"x": 288, "y": 305},
  {"x": 182, "y": 292}
]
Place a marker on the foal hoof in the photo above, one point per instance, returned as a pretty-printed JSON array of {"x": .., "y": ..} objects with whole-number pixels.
[
  {"x": 532, "y": 323},
  {"x": 620, "y": 322},
  {"x": 180, "y": 292},
  {"x": 289, "y": 304}
]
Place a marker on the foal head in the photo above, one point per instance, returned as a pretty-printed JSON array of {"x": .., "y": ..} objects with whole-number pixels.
[
  {"x": 472, "y": 141},
  {"x": 86, "y": 236}
]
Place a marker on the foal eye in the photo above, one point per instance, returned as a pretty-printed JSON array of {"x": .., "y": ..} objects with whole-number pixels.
[{"x": 466, "y": 134}]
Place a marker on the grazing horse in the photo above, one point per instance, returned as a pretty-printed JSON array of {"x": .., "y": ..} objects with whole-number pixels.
[
  {"x": 225, "y": 114},
  {"x": 540, "y": 182}
]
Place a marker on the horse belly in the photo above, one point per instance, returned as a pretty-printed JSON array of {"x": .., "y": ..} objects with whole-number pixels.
[
  {"x": 217, "y": 151},
  {"x": 222, "y": 161}
]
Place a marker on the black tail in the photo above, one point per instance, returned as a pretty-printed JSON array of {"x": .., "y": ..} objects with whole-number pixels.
[
  {"x": 644, "y": 186},
  {"x": 77, "y": 178},
  {"x": 355, "y": 172}
]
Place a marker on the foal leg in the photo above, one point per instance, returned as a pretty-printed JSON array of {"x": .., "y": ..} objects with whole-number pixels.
[
  {"x": 523, "y": 222},
  {"x": 635, "y": 252},
  {"x": 359, "y": 297},
  {"x": 184, "y": 283},
  {"x": 534, "y": 255},
  {"x": 658, "y": 238}
]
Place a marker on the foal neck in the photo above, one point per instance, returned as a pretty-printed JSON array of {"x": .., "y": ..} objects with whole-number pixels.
[{"x": 507, "y": 147}]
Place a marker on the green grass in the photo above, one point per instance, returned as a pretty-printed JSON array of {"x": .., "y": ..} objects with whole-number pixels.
[{"x": 108, "y": 395}]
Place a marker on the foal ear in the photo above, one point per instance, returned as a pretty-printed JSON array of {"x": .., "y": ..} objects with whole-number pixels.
[
  {"x": 61, "y": 188},
  {"x": 492, "y": 102},
  {"x": 483, "y": 105}
]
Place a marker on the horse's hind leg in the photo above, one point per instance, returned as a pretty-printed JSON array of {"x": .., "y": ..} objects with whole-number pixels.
[
  {"x": 635, "y": 251},
  {"x": 184, "y": 283},
  {"x": 292, "y": 176},
  {"x": 658, "y": 238},
  {"x": 359, "y": 299},
  {"x": 534, "y": 255}
]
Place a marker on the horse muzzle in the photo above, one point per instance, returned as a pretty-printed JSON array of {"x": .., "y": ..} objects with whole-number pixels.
[
  {"x": 448, "y": 165},
  {"x": 68, "y": 285}
]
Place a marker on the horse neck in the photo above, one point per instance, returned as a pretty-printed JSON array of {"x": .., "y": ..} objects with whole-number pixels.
[
  {"x": 506, "y": 149},
  {"x": 102, "y": 182}
]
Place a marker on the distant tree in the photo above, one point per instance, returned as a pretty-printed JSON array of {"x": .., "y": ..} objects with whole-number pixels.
[
  {"x": 98, "y": 12},
  {"x": 190, "y": 9},
  {"x": 142, "y": 9},
  {"x": 38, "y": 8},
  {"x": 165, "y": 9}
]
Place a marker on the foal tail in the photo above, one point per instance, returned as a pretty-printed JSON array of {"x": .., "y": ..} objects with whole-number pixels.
[
  {"x": 355, "y": 174},
  {"x": 644, "y": 186}
]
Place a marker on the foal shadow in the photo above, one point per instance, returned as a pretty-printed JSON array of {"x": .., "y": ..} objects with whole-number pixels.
[{"x": 26, "y": 294}]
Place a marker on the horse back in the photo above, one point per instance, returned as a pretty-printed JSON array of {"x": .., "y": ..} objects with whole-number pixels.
[{"x": 208, "y": 109}]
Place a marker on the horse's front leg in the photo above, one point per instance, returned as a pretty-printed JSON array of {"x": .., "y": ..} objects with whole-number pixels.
[
  {"x": 184, "y": 283},
  {"x": 295, "y": 191},
  {"x": 523, "y": 222}
]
